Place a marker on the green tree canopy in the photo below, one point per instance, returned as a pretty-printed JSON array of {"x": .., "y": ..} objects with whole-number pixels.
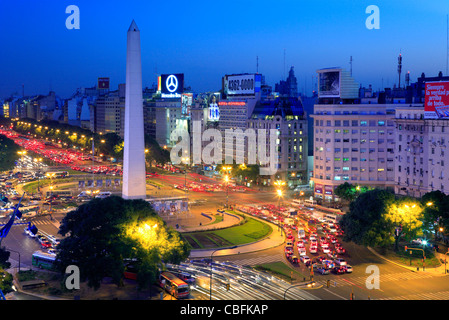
[
  {"x": 377, "y": 218},
  {"x": 8, "y": 153},
  {"x": 102, "y": 233}
]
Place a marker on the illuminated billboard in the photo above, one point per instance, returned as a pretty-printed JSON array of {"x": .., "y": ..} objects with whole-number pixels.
[
  {"x": 329, "y": 84},
  {"x": 213, "y": 109},
  {"x": 186, "y": 103},
  {"x": 172, "y": 85},
  {"x": 436, "y": 105},
  {"x": 242, "y": 84}
]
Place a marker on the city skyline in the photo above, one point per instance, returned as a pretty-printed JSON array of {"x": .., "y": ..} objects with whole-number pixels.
[{"x": 205, "y": 41}]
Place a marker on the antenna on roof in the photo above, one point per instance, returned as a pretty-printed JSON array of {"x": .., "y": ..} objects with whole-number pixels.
[
  {"x": 399, "y": 68},
  {"x": 284, "y": 63},
  {"x": 350, "y": 63}
]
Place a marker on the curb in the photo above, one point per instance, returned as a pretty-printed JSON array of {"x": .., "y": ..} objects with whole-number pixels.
[{"x": 401, "y": 265}]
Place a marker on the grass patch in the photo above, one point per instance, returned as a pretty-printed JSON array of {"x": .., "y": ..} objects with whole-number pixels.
[
  {"x": 218, "y": 218},
  {"x": 248, "y": 232},
  {"x": 280, "y": 270},
  {"x": 403, "y": 257}
]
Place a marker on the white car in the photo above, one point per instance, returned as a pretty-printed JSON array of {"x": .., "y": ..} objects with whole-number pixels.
[
  {"x": 348, "y": 268},
  {"x": 312, "y": 239},
  {"x": 325, "y": 249},
  {"x": 313, "y": 249},
  {"x": 340, "y": 262},
  {"x": 302, "y": 252},
  {"x": 304, "y": 259}
]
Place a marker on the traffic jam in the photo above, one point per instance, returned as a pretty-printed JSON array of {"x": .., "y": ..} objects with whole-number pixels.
[{"x": 310, "y": 241}]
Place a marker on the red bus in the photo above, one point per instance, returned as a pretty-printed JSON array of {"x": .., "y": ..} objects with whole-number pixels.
[{"x": 173, "y": 285}]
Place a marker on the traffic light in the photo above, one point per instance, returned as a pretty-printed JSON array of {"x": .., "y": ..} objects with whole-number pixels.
[{"x": 405, "y": 248}]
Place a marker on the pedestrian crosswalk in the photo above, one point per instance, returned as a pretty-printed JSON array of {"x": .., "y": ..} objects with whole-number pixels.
[
  {"x": 348, "y": 280},
  {"x": 441, "y": 295},
  {"x": 258, "y": 260}
]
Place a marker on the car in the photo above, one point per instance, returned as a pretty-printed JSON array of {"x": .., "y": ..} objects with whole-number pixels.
[
  {"x": 289, "y": 243},
  {"x": 289, "y": 249},
  {"x": 290, "y": 236},
  {"x": 300, "y": 244},
  {"x": 312, "y": 239},
  {"x": 340, "y": 262},
  {"x": 325, "y": 249},
  {"x": 417, "y": 241},
  {"x": 340, "y": 250},
  {"x": 338, "y": 270},
  {"x": 333, "y": 240},
  {"x": 302, "y": 252},
  {"x": 304, "y": 259},
  {"x": 46, "y": 244},
  {"x": 313, "y": 249},
  {"x": 322, "y": 239},
  {"x": 324, "y": 245},
  {"x": 294, "y": 259},
  {"x": 328, "y": 263},
  {"x": 348, "y": 268},
  {"x": 322, "y": 270}
]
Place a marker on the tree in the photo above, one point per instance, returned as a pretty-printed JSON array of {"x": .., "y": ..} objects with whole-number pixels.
[
  {"x": 377, "y": 218},
  {"x": 436, "y": 211},
  {"x": 102, "y": 233},
  {"x": 8, "y": 153},
  {"x": 405, "y": 215},
  {"x": 4, "y": 257},
  {"x": 364, "y": 223},
  {"x": 346, "y": 191}
]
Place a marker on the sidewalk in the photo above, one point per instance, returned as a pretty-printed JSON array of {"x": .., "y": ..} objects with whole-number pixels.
[{"x": 439, "y": 271}]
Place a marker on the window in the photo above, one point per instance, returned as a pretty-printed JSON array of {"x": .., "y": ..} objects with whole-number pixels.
[{"x": 363, "y": 123}]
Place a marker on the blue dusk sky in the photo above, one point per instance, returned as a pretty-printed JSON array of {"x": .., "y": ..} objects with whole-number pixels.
[{"x": 208, "y": 39}]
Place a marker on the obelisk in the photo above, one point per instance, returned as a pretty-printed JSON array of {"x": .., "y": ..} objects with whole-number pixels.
[{"x": 134, "y": 150}]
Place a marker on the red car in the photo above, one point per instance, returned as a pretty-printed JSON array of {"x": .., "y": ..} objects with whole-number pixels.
[{"x": 46, "y": 244}]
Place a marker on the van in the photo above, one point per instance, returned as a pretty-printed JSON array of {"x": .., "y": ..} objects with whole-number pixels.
[
  {"x": 83, "y": 194},
  {"x": 103, "y": 195}
]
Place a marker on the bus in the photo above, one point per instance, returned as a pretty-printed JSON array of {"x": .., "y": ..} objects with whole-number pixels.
[
  {"x": 59, "y": 193},
  {"x": 173, "y": 285},
  {"x": 59, "y": 174},
  {"x": 43, "y": 260},
  {"x": 296, "y": 202}
]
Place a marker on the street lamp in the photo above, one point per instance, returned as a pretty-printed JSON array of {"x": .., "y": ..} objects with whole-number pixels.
[
  {"x": 210, "y": 281},
  {"x": 226, "y": 178}
]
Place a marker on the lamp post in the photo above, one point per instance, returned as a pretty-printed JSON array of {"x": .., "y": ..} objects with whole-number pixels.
[
  {"x": 226, "y": 178},
  {"x": 210, "y": 281},
  {"x": 310, "y": 285}
]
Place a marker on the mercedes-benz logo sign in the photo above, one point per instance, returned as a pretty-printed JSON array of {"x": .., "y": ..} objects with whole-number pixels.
[{"x": 171, "y": 83}]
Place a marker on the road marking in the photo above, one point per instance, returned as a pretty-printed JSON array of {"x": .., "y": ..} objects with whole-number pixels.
[{"x": 335, "y": 294}]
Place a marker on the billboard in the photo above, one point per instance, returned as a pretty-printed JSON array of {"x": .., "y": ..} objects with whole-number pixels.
[
  {"x": 329, "y": 84},
  {"x": 242, "y": 84},
  {"x": 213, "y": 109},
  {"x": 172, "y": 85},
  {"x": 436, "y": 104},
  {"x": 186, "y": 103},
  {"x": 103, "y": 83}
]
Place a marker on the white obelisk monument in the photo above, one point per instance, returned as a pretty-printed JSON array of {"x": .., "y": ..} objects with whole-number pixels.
[{"x": 134, "y": 150}]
